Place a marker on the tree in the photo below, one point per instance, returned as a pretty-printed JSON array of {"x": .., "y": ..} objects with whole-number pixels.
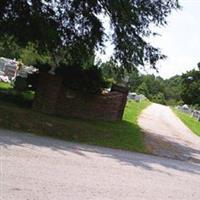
[
  {"x": 28, "y": 54},
  {"x": 134, "y": 80},
  {"x": 75, "y": 27},
  {"x": 9, "y": 47},
  {"x": 110, "y": 71},
  {"x": 154, "y": 84},
  {"x": 172, "y": 89},
  {"x": 143, "y": 89},
  {"x": 114, "y": 73},
  {"x": 159, "y": 98},
  {"x": 191, "y": 87}
]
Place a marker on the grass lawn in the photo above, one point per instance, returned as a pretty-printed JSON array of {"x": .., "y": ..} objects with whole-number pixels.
[
  {"x": 189, "y": 121},
  {"x": 9, "y": 96},
  {"x": 122, "y": 135},
  {"x": 5, "y": 86}
]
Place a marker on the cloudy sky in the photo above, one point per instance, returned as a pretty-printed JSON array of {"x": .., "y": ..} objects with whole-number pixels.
[{"x": 179, "y": 40}]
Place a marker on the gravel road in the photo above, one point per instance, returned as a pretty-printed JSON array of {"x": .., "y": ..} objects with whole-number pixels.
[
  {"x": 166, "y": 135},
  {"x": 37, "y": 168}
]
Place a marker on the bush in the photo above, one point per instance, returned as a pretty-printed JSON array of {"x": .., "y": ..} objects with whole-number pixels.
[
  {"x": 43, "y": 67},
  {"x": 20, "y": 84},
  {"x": 159, "y": 98},
  {"x": 88, "y": 81},
  {"x": 32, "y": 81},
  {"x": 22, "y": 99}
]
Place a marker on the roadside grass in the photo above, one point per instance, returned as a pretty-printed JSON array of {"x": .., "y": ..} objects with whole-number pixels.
[
  {"x": 192, "y": 123},
  {"x": 121, "y": 135}
]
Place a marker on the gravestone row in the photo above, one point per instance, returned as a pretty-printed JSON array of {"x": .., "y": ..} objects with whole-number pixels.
[{"x": 186, "y": 109}]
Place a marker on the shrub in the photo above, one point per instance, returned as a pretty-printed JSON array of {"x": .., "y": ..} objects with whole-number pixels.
[
  {"x": 84, "y": 80},
  {"x": 88, "y": 81},
  {"x": 20, "y": 84}
]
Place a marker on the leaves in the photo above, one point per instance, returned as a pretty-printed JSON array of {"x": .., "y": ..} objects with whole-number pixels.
[
  {"x": 75, "y": 26},
  {"x": 191, "y": 87}
]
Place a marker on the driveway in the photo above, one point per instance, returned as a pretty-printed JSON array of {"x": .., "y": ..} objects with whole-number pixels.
[
  {"x": 167, "y": 136},
  {"x": 37, "y": 168}
]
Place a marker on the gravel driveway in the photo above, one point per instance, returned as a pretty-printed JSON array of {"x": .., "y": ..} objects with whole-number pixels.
[
  {"x": 166, "y": 135},
  {"x": 37, "y": 168}
]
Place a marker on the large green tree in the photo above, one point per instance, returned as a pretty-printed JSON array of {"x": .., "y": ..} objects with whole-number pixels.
[
  {"x": 173, "y": 89},
  {"x": 9, "y": 47},
  {"x": 154, "y": 85},
  {"x": 191, "y": 87},
  {"x": 76, "y": 28},
  {"x": 29, "y": 54}
]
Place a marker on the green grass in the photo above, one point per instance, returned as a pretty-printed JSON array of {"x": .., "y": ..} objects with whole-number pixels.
[
  {"x": 122, "y": 135},
  {"x": 192, "y": 123},
  {"x": 5, "y": 86},
  {"x": 8, "y": 95}
]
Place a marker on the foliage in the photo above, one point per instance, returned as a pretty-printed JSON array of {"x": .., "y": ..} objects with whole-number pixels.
[
  {"x": 110, "y": 71},
  {"x": 191, "y": 87},
  {"x": 159, "y": 98},
  {"x": 113, "y": 72},
  {"x": 9, "y": 47},
  {"x": 9, "y": 96},
  {"x": 43, "y": 66},
  {"x": 32, "y": 81},
  {"x": 20, "y": 84},
  {"x": 134, "y": 80},
  {"x": 156, "y": 89},
  {"x": 143, "y": 89},
  {"x": 89, "y": 81},
  {"x": 74, "y": 27},
  {"x": 162, "y": 91},
  {"x": 173, "y": 88},
  {"x": 29, "y": 54},
  {"x": 153, "y": 84}
]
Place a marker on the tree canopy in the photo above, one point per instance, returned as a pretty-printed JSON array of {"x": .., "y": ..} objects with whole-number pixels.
[
  {"x": 155, "y": 88},
  {"x": 191, "y": 87},
  {"x": 76, "y": 28}
]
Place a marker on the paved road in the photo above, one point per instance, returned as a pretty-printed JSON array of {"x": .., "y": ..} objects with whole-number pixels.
[
  {"x": 166, "y": 135},
  {"x": 36, "y": 168}
]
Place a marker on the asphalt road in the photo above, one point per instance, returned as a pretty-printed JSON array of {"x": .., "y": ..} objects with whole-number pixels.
[
  {"x": 36, "y": 168},
  {"x": 166, "y": 135}
]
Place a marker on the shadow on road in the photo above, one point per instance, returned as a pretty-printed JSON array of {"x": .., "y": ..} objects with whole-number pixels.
[
  {"x": 148, "y": 162},
  {"x": 165, "y": 146}
]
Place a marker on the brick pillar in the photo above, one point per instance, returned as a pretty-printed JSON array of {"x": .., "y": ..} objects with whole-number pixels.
[{"x": 124, "y": 91}]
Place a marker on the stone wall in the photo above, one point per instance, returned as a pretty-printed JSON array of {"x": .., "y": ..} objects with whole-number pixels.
[{"x": 53, "y": 98}]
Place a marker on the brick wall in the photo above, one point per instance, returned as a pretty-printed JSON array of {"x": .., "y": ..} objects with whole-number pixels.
[
  {"x": 53, "y": 98},
  {"x": 47, "y": 93}
]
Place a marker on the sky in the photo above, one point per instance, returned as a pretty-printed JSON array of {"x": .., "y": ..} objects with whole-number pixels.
[{"x": 179, "y": 40}]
